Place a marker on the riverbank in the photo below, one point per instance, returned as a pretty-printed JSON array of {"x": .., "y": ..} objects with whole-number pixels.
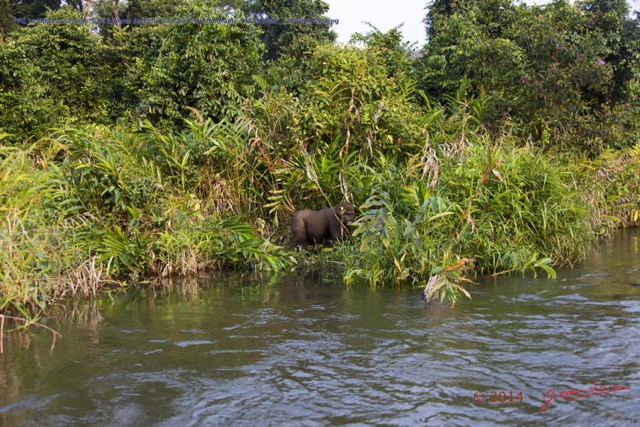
[{"x": 93, "y": 207}]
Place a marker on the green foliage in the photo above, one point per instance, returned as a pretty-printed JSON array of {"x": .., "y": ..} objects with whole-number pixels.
[
  {"x": 353, "y": 103},
  {"x": 476, "y": 203},
  {"x": 37, "y": 242},
  {"x": 556, "y": 70},
  {"x": 32, "y": 9},
  {"x": 198, "y": 69},
  {"x": 51, "y": 74},
  {"x": 518, "y": 206},
  {"x": 142, "y": 187},
  {"x": 141, "y": 9},
  {"x": 359, "y": 99},
  {"x": 6, "y": 19},
  {"x": 26, "y": 106},
  {"x": 93, "y": 205},
  {"x": 291, "y": 39},
  {"x": 610, "y": 185}
]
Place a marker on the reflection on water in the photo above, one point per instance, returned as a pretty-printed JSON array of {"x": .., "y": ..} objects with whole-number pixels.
[{"x": 305, "y": 351}]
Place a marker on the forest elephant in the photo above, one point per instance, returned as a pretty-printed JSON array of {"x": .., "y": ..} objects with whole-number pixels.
[{"x": 310, "y": 227}]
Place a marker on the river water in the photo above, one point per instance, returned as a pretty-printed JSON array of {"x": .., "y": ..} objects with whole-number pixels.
[{"x": 308, "y": 351}]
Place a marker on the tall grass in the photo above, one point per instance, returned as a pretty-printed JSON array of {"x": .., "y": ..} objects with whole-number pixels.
[
  {"x": 90, "y": 207},
  {"x": 610, "y": 185},
  {"x": 37, "y": 250},
  {"x": 478, "y": 206}
]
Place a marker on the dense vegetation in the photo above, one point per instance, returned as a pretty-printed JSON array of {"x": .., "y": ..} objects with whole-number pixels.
[{"x": 132, "y": 152}]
